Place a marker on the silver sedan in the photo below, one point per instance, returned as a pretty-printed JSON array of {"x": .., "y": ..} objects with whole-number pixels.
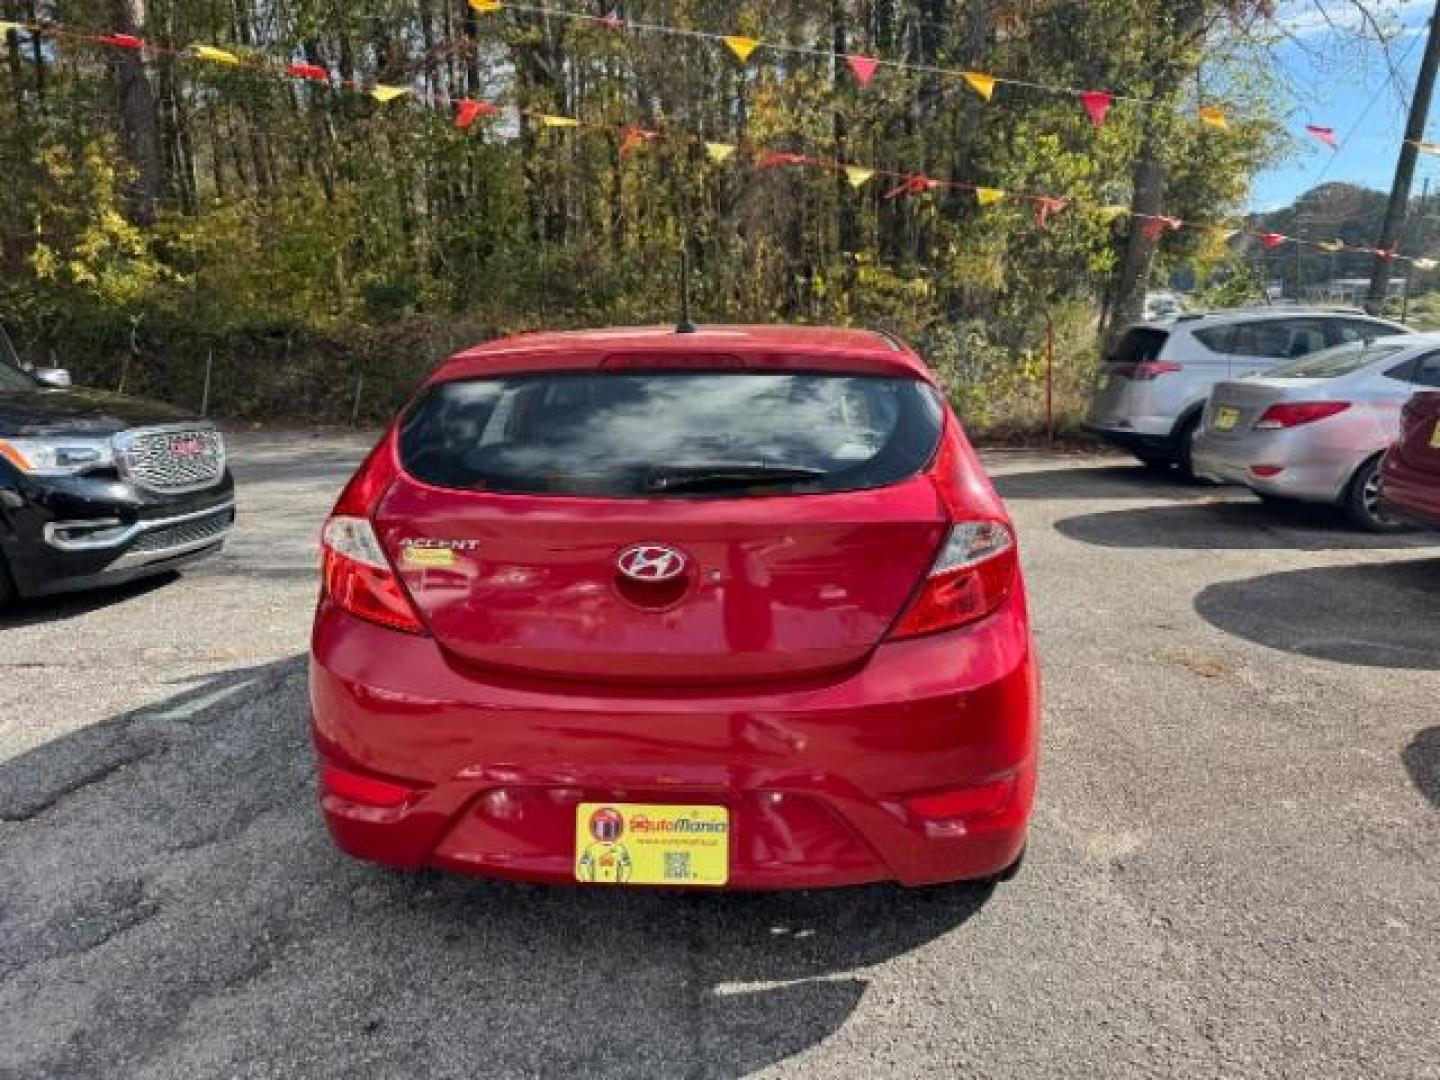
[{"x": 1316, "y": 428}]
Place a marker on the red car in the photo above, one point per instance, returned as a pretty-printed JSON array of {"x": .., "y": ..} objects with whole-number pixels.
[
  {"x": 733, "y": 608},
  {"x": 1410, "y": 477}
]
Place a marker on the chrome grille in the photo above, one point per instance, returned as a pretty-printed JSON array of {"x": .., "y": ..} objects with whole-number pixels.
[
  {"x": 173, "y": 458},
  {"x": 184, "y": 534}
]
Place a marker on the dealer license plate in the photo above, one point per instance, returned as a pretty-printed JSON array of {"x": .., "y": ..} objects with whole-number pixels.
[
  {"x": 644, "y": 844},
  {"x": 1226, "y": 418}
]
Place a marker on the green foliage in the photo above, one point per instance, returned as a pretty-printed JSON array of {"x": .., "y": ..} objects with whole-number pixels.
[{"x": 302, "y": 232}]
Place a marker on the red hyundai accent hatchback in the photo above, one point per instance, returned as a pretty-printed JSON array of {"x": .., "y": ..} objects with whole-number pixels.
[
  {"x": 731, "y": 608},
  {"x": 1410, "y": 475}
]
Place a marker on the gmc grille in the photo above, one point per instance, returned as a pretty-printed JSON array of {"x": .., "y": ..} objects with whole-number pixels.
[{"x": 172, "y": 459}]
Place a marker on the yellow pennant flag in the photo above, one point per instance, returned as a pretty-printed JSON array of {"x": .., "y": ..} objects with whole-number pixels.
[
  {"x": 1226, "y": 235},
  {"x": 383, "y": 93},
  {"x": 1428, "y": 147},
  {"x": 558, "y": 121},
  {"x": 988, "y": 196},
  {"x": 1109, "y": 214},
  {"x": 214, "y": 55},
  {"x": 6, "y": 27},
  {"x": 1214, "y": 116},
  {"x": 742, "y": 46},
  {"x": 982, "y": 84},
  {"x": 719, "y": 152},
  {"x": 858, "y": 175},
  {"x": 1331, "y": 246},
  {"x": 486, "y": 7},
  {"x": 1426, "y": 264}
]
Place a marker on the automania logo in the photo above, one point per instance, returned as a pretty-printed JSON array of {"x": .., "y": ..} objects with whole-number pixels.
[{"x": 644, "y": 824}]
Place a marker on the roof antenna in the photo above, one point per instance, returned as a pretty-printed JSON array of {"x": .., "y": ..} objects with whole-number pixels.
[{"x": 685, "y": 326}]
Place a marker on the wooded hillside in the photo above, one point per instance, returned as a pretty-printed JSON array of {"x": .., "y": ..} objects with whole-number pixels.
[{"x": 161, "y": 208}]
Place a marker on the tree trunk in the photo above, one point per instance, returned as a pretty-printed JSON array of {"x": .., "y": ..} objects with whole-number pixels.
[
  {"x": 138, "y": 113},
  {"x": 1133, "y": 278}
]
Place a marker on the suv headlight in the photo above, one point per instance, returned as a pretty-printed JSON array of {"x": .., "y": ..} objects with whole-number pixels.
[{"x": 57, "y": 455}]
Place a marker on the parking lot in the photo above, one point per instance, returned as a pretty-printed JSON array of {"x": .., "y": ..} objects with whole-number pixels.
[{"x": 1234, "y": 869}]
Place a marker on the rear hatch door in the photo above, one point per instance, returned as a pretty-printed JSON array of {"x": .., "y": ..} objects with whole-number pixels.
[
  {"x": 1119, "y": 395},
  {"x": 542, "y": 520}
]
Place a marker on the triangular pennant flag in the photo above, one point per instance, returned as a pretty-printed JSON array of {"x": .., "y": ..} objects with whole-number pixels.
[
  {"x": 1156, "y": 225},
  {"x": 313, "y": 72},
  {"x": 719, "y": 152},
  {"x": 7, "y": 27},
  {"x": 858, "y": 175},
  {"x": 1425, "y": 264},
  {"x": 1226, "y": 235},
  {"x": 1272, "y": 240},
  {"x": 1383, "y": 254},
  {"x": 1047, "y": 205},
  {"x": 611, "y": 21},
  {"x": 467, "y": 111},
  {"x": 742, "y": 46},
  {"x": 1428, "y": 147},
  {"x": 982, "y": 84},
  {"x": 382, "y": 93},
  {"x": 214, "y": 55},
  {"x": 772, "y": 159},
  {"x": 863, "y": 67},
  {"x": 486, "y": 7},
  {"x": 635, "y": 138},
  {"x": 557, "y": 121},
  {"x": 915, "y": 185},
  {"x": 1331, "y": 246},
  {"x": 1214, "y": 116},
  {"x": 988, "y": 196},
  {"x": 1324, "y": 134},
  {"x": 1097, "y": 103},
  {"x": 122, "y": 41},
  {"x": 1111, "y": 214}
]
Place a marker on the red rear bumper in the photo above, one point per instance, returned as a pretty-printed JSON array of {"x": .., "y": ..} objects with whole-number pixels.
[
  {"x": 918, "y": 768},
  {"x": 1409, "y": 494}
]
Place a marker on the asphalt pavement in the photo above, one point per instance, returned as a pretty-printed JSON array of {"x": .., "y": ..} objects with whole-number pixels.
[{"x": 1234, "y": 869}]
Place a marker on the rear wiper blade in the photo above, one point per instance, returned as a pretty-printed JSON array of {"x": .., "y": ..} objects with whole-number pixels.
[{"x": 727, "y": 475}]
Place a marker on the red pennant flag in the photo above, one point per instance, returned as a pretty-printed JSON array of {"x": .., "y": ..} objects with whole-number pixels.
[
  {"x": 772, "y": 159},
  {"x": 1383, "y": 254},
  {"x": 121, "y": 41},
  {"x": 635, "y": 138},
  {"x": 1156, "y": 226},
  {"x": 313, "y": 72},
  {"x": 1272, "y": 240},
  {"x": 611, "y": 21},
  {"x": 915, "y": 185},
  {"x": 1047, "y": 205},
  {"x": 1324, "y": 134},
  {"x": 468, "y": 111},
  {"x": 863, "y": 67},
  {"x": 1097, "y": 103}
]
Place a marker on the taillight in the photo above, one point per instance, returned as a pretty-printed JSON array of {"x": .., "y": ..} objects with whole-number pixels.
[
  {"x": 359, "y": 578},
  {"x": 356, "y": 575},
  {"x": 1146, "y": 370},
  {"x": 974, "y": 573},
  {"x": 1290, "y": 414}
]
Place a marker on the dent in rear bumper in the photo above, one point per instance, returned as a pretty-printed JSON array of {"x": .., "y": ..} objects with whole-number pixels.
[
  {"x": 1303, "y": 478},
  {"x": 844, "y": 753}
]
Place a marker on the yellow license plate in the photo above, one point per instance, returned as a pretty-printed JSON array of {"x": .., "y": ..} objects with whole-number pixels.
[
  {"x": 1226, "y": 419},
  {"x": 1435, "y": 438},
  {"x": 1102, "y": 383},
  {"x": 642, "y": 844}
]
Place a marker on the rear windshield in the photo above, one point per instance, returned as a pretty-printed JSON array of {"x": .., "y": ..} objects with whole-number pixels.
[
  {"x": 643, "y": 434},
  {"x": 1333, "y": 363},
  {"x": 1140, "y": 345}
]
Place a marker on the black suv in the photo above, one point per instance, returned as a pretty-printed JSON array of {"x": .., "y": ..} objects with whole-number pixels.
[{"x": 99, "y": 489}]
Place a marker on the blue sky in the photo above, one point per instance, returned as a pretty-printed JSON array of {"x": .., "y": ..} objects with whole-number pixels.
[{"x": 1336, "y": 78}]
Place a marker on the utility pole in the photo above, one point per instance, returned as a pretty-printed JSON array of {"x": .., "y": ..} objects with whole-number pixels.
[{"x": 1405, "y": 169}]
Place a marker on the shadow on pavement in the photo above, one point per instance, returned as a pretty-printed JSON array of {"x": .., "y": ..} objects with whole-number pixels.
[
  {"x": 1422, "y": 762},
  {"x": 48, "y": 609},
  {"x": 173, "y": 906},
  {"x": 1376, "y": 615},
  {"x": 1118, "y": 481},
  {"x": 1231, "y": 526}
]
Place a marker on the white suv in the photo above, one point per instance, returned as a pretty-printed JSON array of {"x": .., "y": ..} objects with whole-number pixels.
[{"x": 1152, "y": 389}]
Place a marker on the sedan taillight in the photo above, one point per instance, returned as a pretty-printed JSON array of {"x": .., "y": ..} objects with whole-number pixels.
[
  {"x": 972, "y": 576},
  {"x": 1289, "y": 414}
]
